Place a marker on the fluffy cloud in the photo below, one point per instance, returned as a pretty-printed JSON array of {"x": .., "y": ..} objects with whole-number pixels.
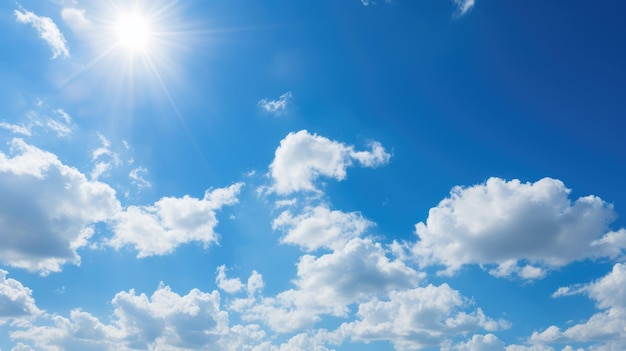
[
  {"x": 524, "y": 229},
  {"x": 328, "y": 284},
  {"x": 47, "y": 209},
  {"x": 417, "y": 318},
  {"x": 607, "y": 327},
  {"x": 320, "y": 227},
  {"x": 277, "y": 107},
  {"x": 302, "y": 157},
  {"x": 163, "y": 321},
  {"x": 171, "y": 221},
  {"x": 47, "y": 30},
  {"x": 16, "y": 301}
]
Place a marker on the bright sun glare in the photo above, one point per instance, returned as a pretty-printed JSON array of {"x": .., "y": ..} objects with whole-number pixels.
[{"x": 133, "y": 32}]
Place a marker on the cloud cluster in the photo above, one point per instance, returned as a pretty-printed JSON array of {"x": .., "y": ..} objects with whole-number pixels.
[
  {"x": 608, "y": 327},
  {"x": 328, "y": 284},
  {"x": 302, "y": 157},
  {"x": 171, "y": 222},
  {"x": 417, "y": 318},
  {"x": 47, "y": 209},
  {"x": 522, "y": 229},
  {"x": 47, "y": 30},
  {"x": 57, "y": 121}
]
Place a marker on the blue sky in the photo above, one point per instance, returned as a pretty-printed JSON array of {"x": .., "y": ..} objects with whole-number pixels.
[{"x": 320, "y": 175}]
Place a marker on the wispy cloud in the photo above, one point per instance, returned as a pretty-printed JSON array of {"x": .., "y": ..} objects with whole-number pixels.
[
  {"x": 56, "y": 120},
  {"x": 47, "y": 30},
  {"x": 277, "y": 107},
  {"x": 463, "y": 6}
]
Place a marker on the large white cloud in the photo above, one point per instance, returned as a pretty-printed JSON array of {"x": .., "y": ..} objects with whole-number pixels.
[
  {"x": 606, "y": 328},
  {"x": 327, "y": 285},
  {"x": 16, "y": 301},
  {"x": 520, "y": 228},
  {"x": 302, "y": 157},
  {"x": 47, "y": 209},
  {"x": 163, "y": 321},
  {"x": 47, "y": 30},
  {"x": 171, "y": 221},
  {"x": 418, "y": 318},
  {"x": 318, "y": 227}
]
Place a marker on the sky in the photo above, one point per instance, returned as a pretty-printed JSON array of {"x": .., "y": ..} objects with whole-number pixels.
[{"x": 312, "y": 175}]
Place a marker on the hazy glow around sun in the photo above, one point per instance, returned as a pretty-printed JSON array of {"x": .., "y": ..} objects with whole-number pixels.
[{"x": 133, "y": 31}]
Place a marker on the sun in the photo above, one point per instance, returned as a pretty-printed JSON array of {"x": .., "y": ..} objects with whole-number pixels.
[{"x": 133, "y": 32}]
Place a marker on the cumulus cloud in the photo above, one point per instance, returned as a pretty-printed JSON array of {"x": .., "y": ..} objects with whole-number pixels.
[
  {"x": 487, "y": 342},
  {"x": 608, "y": 327},
  {"x": 326, "y": 285},
  {"x": 520, "y": 229},
  {"x": 302, "y": 157},
  {"x": 165, "y": 320},
  {"x": 229, "y": 285},
  {"x": 417, "y": 318},
  {"x": 171, "y": 221},
  {"x": 277, "y": 107},
  {"x": 47, "y": 209},
  {"x": 463, "y": 6},
  {"x": 47, "y": 30},
  {"x": 16, "y": 301},
  {"x": 318, "y": 227}
]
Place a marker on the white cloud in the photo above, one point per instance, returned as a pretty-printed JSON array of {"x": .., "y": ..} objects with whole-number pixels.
[
  {"x": 21, "y": 347},
  {"x": 417, "y": 318},
  {"x": 302, "y": 157},
  {"x": 163, "y": 321},
  {"x": 487, "y": 342},
  {"x": 320, "y": 227},
  {"x": 138, "y": 179},
  {"x": 47, "y": 30},
  {"x": 104, "y": 159},
  {"x": 302, "y": 342},
  {"x": 326, "y": 285},
  {"x": 277, "y": 107},
  {"x": 16, "y": 301},
  {"x": 75, "y": 18},
  {"x": 463, "y": 6},
  {"x": 171, "y": 221},
  {"x": 16, "y": 128},
  {"x": 60, "y": 123},
  {"x": 47, "y": 209},
  {"x": 523, "y": 229},
  {"x": 607, "y": 327},
  {"x": 229, "y": 285}
]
